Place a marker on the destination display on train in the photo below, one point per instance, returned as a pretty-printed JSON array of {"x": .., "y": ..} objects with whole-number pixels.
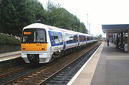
[{"x": 27, "y": 33}]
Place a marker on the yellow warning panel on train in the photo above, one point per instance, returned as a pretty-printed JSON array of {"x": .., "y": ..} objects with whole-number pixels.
[{"x": 34, "y": 46}]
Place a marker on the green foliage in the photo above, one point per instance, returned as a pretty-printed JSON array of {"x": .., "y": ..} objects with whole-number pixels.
[
  {"x": 10, "y": 40},
  {"x": 15, "y": 14},
  {"x": 60, "y": 17}
]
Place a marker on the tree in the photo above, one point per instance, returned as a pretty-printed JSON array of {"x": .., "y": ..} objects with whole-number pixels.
[
  {"x": 60, "y": 17},
  {"x": 15, "y": 14}
]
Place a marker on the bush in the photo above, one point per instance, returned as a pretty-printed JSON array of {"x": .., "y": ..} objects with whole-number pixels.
[{"x": 8, "y": 40}]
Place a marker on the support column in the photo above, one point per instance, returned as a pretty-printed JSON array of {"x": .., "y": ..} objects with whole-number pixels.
[
  {"x": 117, "y": 40},
  {"x": 128, "y": 40},
  {"x": 107, "y": 35},
  {"x": 121, "y": 43}
]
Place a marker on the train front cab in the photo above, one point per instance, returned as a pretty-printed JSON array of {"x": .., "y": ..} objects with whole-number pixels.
[{"x": 34, "y": 46}]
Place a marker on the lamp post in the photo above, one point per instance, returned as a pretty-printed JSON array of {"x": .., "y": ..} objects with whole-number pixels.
[{"x": 88, "y": 25}]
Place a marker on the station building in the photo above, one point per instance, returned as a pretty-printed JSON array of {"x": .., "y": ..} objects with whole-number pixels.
[{"x": 118, "y": 34}]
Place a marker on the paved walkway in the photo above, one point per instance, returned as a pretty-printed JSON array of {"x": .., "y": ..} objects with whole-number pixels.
[
  {"x": 9, "y": 55},
  {"x": 112, "y": 68},
  {"x": 109, "y": 66},
  {"x": 84, "y": 76}
]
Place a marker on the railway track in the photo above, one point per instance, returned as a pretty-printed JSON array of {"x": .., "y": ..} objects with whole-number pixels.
[
  {"x": 13, "y": 74},
  {"x": 63, "y": 76},
  {"x": 35, "y": 75}
]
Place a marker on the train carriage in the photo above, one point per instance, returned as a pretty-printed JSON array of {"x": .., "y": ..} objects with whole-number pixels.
[
  {"x": 41, "y": 43},
  {"x": 35, "y": 44},
  {"x": 82, "y": 39},
  {"x": 71, "y": 39}
]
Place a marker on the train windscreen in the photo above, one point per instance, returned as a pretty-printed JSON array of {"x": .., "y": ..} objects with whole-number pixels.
[{"x": 34, "y": 36}]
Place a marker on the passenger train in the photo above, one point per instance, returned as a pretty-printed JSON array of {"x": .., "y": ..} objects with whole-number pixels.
[{"x": 41, "y": 43}]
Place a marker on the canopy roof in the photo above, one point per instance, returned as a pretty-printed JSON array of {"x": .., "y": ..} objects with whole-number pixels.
[{"x": 115, "y": 28}]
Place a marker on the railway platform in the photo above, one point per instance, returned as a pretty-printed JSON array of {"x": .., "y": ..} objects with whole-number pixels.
[
  {"x": 9, "y": 55},
  {"x": 107, "y": 66}
]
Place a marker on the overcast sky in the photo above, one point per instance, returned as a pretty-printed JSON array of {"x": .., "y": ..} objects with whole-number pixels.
[{"x": 99, "y": 12}]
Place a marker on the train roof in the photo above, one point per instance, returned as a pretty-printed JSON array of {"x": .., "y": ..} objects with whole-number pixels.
[
  {"x": 40, "y": 25},
  {"x": 35, "y": 25},
  {"x": 48, "y": 27}
]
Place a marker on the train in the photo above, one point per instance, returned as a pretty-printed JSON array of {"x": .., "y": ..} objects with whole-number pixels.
[{"x": 42, "y": 43}]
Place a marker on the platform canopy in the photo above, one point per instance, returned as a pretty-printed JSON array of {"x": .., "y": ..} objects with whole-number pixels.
[{"x": 115, "y": 28}]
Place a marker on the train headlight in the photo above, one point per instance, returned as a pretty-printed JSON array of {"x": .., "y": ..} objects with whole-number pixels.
[
  {"x": 23, "y": 49},
  {"x": 42, "y": 48}
]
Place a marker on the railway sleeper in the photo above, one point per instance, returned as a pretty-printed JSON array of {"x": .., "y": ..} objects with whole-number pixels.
[
  {"x": 57, "y": 82},
  {"x": 63, "y": 76},
  {"x": 60, "y": 79}
]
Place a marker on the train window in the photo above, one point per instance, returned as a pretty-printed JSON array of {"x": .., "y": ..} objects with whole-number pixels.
[
  {"x": 60, "y": 38},
  {"x": 75, "y": 38},
  {"x": 69, "y": 38},
  {"x": 82, "y": 38},
  {"x": 56, "y": 38},
  {"x": 34, "y": 35},
  {"x": 40, "y": 36},
  {"x": 88, "y": 38},
  {"x": 28, "y": 38}
]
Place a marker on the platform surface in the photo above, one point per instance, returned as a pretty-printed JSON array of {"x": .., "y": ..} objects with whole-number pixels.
[
  {"x": 112, "y": 68},
  {"x": 9, "y": 55}
]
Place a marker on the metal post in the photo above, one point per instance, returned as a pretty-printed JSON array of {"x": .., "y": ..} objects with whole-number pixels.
[
  {"x": 117, "y": 41},
  {"x": 128, "y": 40},
  {"x": 88, "y": 25},
  {"x": 121, "y": 40}
]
